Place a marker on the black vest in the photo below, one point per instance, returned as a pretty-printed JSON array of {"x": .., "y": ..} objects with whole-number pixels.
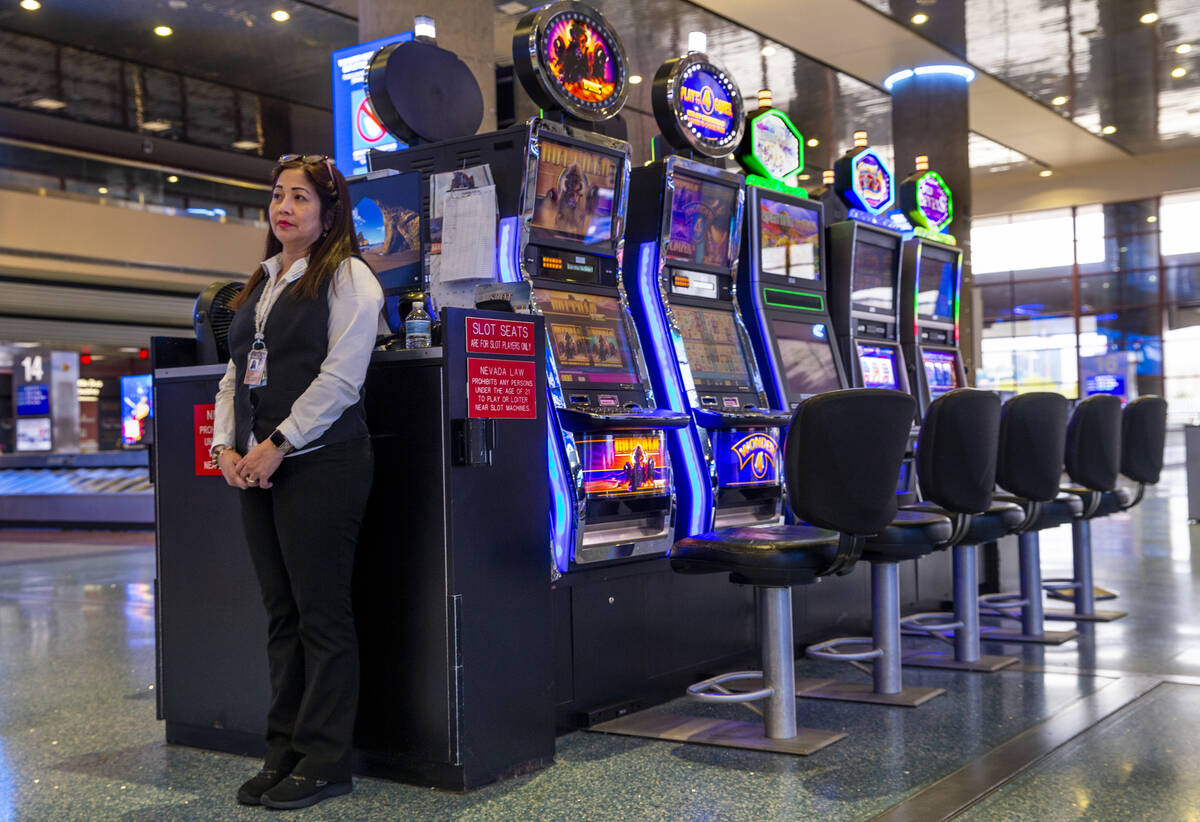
[{"x": 297, "y": 338}]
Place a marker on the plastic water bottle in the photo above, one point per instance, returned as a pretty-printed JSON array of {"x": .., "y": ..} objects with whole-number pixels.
[{"x": 417, "y": 327}]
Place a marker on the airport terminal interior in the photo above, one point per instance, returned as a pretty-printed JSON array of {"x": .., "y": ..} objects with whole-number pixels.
[{"x": 808, "y": 425}]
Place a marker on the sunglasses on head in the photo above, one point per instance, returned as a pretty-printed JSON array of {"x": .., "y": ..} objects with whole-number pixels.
[{"x": 307, "y": 159}]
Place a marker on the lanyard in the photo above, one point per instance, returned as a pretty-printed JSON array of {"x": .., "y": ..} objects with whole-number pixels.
[{"x": 262, "y": 308}]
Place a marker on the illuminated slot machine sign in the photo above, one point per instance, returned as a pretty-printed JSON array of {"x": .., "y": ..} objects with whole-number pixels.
[
  {"x": 587, "y": 334},
  {"x": 878, "y": 363},
  {"x": 697, "y": 105},
  {"x": 701, "y": 230},
  {"x": 575, "y": 191},
  {"x": 623, "y": 463},
  {"x": 746, "y": 457},
  {"x": 941, "y": 371},
  {"x": 137, "y": 407}
]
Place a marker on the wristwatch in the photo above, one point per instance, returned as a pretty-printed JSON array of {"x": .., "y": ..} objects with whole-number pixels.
[
  {"x": 281, "y": 442},
  {"x": 214, "y": 453}
]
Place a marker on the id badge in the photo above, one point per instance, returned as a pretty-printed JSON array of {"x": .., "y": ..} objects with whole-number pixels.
[{"x": 256, "y": 368}]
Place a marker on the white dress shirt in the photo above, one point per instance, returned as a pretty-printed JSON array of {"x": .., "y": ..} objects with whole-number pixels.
[{"x": 355, "y": 318}]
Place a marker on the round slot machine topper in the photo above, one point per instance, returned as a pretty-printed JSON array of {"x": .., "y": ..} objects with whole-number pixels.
[
  {"x": 422, "y": 92},
  {"x": 697, "y": 105},
  {"x": 569, "y": 58}
]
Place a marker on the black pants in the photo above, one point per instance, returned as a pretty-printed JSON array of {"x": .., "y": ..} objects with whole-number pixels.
[{"x": 302, "y": 533}]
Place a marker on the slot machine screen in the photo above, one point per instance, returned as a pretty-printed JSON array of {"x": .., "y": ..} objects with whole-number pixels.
[
  {"x": 941, "y": 371},
  {"x": 874, "y": 278},
  {"x": 789, "y": 239},
  {"x": 137, "y": 407},
  {"x": 714, "y": 347},
  {"x": 575, "y": 192},
  {"x": 624, "y": 463},
  {"x": 937, "y": 284},
  {"x": 879, "y": 367},
  {"x": 386, "y": 213},
  {"x": 702, "y": 215},
  {"x": 806, "y": 358},
  {"x": 587, "y": 333}
]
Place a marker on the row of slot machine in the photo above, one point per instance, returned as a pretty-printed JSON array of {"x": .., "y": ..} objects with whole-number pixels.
[{"x": 689, "y": 308}]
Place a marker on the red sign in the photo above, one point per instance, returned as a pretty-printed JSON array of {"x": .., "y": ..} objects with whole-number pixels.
[
  {"x": 499, "y": 337},
  {"x": 501, "y": 389},
  {"x": 202, "y": 416}
]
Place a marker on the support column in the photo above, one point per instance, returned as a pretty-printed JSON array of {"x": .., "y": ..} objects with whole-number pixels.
[{"x": 465, "y": 27}]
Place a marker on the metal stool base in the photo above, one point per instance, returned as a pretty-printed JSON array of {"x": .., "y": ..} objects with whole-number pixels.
[
  {"x": 909, "y": 696},
  {"x": 939, "y": 658},
  {"x": 1068, "y": 595},
  {"x": 1098, "y": 615},
  {"x": 722, "y": 732},
  {"x": 1044, "y": 638}
]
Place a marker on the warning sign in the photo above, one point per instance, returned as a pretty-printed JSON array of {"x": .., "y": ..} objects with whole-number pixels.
[
  {"x": 513, "y": 337},
  {"x": 203, "y": 431},
  {"x": 501, "y": 389}
]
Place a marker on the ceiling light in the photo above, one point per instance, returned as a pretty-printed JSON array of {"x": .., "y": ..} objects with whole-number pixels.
[
  {"x": 164, "y": 31},
  {"x": 1059, "y": 100},
  {"x": 1183, "y": 48},
  {"x": 245, "y": 145},
  {"x": 813, "y": 142},
  {"x": 157, "y": 125},
  {"x": 767, "y": 51},
  {"x": 102, "y": 190},
  {"x": 280, "y": 16},
  {"x": 513, "y": 8},
  {"x": 634, "y": 79},
  {"x": 1152, "y": 219},
  {"x": 1109, "y": 130},
  {"x": 1149, "y": 17},
  {"x": 1045, "y": 172},
  {"x": 48, "y": 103},
  {"x": 1178, "y": 71},
  {"x": 30, "y": 5},
  {"x": 920, "y": 18},
  {"x": 172, "y": 179},
  {"x": 891, "y": 80}
]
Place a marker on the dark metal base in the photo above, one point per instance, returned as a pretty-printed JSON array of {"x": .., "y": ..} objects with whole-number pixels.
[
  {"x": 1068, "y": 594},
  {"x": 939, "y": 658},
  {"x": 909, "y": 697},
  {"x": 1044, "y": 638},
  {"x": 1099, "y": 615},
  {"x": 723, "y": 732}
]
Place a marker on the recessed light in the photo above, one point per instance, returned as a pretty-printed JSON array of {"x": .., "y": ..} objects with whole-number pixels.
[
  {"x": 26, "y": 345},
  {"x": 804, "y": 177},
  {"x": 813, "y": 142},
  {"x": 1183, "y": 48},
  {"x": 172, "y": 179},
  {"x": 157, "y": 125},
  {"x": 1152, "y": 219},
  {"x": 920, "y": 18},
  {"x": 280, "y": 16},
  {"x": 102, "y": 190},
  {"x": 767, "y": 51},
  {"x": 48, "y": 103},
  {"x": 1109, "y": 130},
  {"x": 30, "y": 5},
  {"x": 1149, "y": 17},
  {"x": 164, "y": 31},
  {"x": 1059, "y": 100},
  {"x": 1178, "y": 71},
  {"x": 634, "y": 79},
  {"x": 245, "y": 145},
  {"x": 1045, "y": 172},
  {"x": 513, "y": 8}
]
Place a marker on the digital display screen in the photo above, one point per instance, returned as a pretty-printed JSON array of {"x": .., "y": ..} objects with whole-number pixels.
[
  {"x": 574, "y": 191},
  {"x": 33, "y": 399},
  {"x": 874, "y": 278},
  {"x": 701, "y": 222},
  {"x": 356, "y": 126},
  {"x": 806, "y": 357},
  {"x": 789, "y": 239},
  {"x": 714, "y": 347},
  {"x": 941, "y": 371},
  {"x": 587, "y": 333},
  {"x": 746, "y": 456},
  {"x": 937, "y": 284},
  {"x": 33, "y": 434},
  {"x": 387, "y": 221},
  {"x": 580, "y": 59},
  {"x": 624, "y": 464},
  {"x": 878, "y": 363},
  {"x": 137, "y": 407}
]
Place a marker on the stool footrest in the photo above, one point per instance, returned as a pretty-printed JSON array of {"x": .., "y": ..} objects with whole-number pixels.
[
  {"x": 920, "y": 622},
  {"x": 1057, "y": 584},
  {"x": 825, "y": 650},
  {"x": 713, "y": 689},
  {"x": 1002, "y": 602}
]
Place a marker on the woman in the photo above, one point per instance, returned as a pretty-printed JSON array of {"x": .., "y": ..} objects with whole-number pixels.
[{"x": 290, "y": 432}]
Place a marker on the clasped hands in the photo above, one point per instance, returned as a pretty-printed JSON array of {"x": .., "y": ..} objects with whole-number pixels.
[{"x": 253, "y": 470}]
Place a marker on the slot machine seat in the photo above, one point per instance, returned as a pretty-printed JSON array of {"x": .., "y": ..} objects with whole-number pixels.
[
  {"x": 841, "y": 456},
  {"x": 956, "y": 469},
  {"x": 1103, "y": 442}
]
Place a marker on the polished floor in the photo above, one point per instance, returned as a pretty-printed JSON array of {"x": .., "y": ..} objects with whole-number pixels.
[{"x": 1105, "y": 728}]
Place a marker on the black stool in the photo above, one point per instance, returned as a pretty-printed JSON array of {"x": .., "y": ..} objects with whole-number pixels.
[
  {"x": 1143, "y": 435},
  {"x": 1033, "y": 435},
  {"x": 841, "y": 459}
]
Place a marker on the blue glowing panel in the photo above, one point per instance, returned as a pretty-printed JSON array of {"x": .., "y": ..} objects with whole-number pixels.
[
  {"x": 746, "y": 457},
  {"x": 356, "y": 128}
]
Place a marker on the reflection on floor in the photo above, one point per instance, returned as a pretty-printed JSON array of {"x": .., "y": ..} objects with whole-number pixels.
[{"x": 80, "y": 741}]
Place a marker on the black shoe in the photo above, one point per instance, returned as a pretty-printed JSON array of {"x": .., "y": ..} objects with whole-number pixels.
[
  {"x": 301, "y": 791},
  {"x": 252, "y": 790}
]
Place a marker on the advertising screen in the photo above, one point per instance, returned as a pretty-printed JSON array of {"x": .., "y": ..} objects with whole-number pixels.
[
  {"x": 33, "y": 434},
  {"x": 746, "y": 456},
  {"x": 356, "y": 128},
  {"x": 701, "y": 221},
  {"x": 137, "y": 407},
  {"x": 874, "y": 278},
  {"x": 624, "y": 463},
  {"x": 387, "y": 219},
  {"x": 937, "y": 284},
  {"x": 587, "y": 334},
  {"x": 714, "y": 347},
  {"x": 941, "y": 371},
  {"x": 806, "y": 358},
  {"x": 575, "y": 190},
  {"x": 789, "y": 239},
  {"x": 879, "y": 368}
]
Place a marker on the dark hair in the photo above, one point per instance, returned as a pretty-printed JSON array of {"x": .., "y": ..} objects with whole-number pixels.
[{"x": 337, "y": 241}]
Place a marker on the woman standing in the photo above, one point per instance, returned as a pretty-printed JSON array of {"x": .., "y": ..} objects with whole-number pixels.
[{"x": 290, "y": 432}]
